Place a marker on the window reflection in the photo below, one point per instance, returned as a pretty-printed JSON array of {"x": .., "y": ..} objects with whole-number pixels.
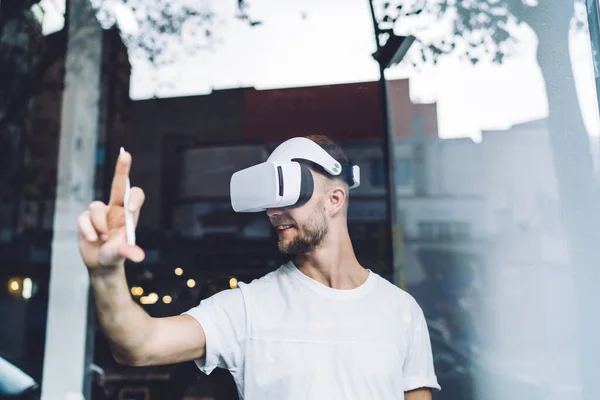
[{"x": 494, "y": 136}]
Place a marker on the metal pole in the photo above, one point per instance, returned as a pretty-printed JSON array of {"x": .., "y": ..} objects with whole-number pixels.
[
  {"x": 594, "y": 31},
  {"x": 388, "y": 156}
]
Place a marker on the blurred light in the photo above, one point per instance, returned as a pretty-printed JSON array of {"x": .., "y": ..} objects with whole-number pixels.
[
  {"x": 14, "y": 285},
  {"x": 146, "y": 300},
  {"x": 191, "y": 283},
  {"x": 137, "y": 291},
  {"x": 27, "y": 288},
  {"x": 233, "y": 283},
  {"x": 152, "y": 298},
  {"x": 167, "y": 299},
  {"x": 178, "y": 271}
]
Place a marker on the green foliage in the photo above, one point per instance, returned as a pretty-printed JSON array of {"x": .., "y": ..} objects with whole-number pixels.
[
  {"x": 167, "y": 27},
  {"x": 477, "y": 29}
]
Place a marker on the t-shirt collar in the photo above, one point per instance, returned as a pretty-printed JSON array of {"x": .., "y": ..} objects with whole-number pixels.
[{"x": 331, "y": 292}]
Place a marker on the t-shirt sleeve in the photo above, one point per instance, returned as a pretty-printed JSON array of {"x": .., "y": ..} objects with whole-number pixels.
[
  {"x": 418, "y": 369},
  {"x": 223, "y": 319}
]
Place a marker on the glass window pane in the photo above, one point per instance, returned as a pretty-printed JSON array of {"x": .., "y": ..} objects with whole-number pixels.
[{"x": 475, "y": 125}]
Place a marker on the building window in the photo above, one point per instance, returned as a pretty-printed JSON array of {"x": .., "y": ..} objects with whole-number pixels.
[
  {"x": 100, "y": 156},
  {"x": 426, "y": 231},
  {"x": 444, "y": 231},
  {"x": 378, "y": 175},
  {"x": 462, "y": 231},
  {"x": 417, "y": 125},
  {"x": 403, "y": 171}
]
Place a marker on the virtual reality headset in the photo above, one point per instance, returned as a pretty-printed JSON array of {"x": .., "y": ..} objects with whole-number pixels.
[{"x": 283, "y": 180}]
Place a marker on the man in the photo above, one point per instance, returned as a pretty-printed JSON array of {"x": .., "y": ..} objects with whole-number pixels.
[{"x": 319, "y": 327}]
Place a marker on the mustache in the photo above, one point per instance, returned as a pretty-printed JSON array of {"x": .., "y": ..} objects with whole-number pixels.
[{"x": 281, "y": 221}]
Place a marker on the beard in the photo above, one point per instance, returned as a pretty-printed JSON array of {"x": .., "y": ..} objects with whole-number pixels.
[{"x": 308, "y": 237}]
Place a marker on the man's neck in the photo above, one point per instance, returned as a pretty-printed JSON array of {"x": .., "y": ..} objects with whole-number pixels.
[{"x": 334, "y": 265}]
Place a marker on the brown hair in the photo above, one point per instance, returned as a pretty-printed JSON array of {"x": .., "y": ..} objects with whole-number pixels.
[
  {"x": 335, "y": 151},
  {"x": 332, "y": 148}
]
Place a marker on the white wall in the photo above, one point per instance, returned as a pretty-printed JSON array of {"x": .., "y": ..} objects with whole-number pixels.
[
  {"x": 455, "y": 168},
  {"x": 520, "y": 184},
  {"x": 512, "y": 170}
]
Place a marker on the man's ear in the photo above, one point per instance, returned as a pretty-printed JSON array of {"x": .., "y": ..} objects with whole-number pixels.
[{"x": 336, "y": 199}]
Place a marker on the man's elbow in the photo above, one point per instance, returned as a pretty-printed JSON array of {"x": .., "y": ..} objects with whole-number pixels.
[
  {"x": 131, "y": 359},
  {"x": 124, "y": 359}
]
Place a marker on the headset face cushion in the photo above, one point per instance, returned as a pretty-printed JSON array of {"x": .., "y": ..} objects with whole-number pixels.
[{"x": 307, "y": 186}]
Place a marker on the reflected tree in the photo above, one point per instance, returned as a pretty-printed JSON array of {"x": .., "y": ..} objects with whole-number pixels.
[
  {"x": 485, "y": 30},
  {"x": 165, "y": 29}
]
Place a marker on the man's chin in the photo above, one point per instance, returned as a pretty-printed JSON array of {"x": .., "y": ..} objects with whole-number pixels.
[
  {"x": 285, "y": 249},
  {"x": 286, "y": 246},
  {"x": 294, "y": 249}
]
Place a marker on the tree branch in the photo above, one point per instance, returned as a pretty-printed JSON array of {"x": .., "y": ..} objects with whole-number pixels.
[
  {"x": 34, "y": 83},
  {"x": 521, "y": 11}
]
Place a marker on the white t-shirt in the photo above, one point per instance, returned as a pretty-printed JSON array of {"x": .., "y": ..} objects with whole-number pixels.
[{"x": 286, "y": 336}]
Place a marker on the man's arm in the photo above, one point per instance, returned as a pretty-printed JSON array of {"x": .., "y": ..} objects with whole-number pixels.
[
  {"x": 418, "y": 394},
  {"x": 134, "y": 337}
]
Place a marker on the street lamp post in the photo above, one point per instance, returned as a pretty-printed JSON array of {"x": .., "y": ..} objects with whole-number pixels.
[
  {"x": 387, "y": 55},
  {"x": 593, "y": 13}
]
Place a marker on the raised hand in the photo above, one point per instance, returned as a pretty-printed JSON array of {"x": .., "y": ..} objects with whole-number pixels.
[{"x": 102, "y": 234}]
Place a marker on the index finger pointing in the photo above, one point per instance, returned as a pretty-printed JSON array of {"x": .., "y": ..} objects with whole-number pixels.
[{"x": 119, "y": 183}]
